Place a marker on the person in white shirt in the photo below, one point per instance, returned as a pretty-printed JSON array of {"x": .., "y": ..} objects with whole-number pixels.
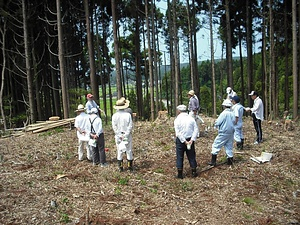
[
  {"x": 186, "y": 131},
  {"x": 225, "y": 126},
  {"x": 230, "y": 93},
  {"x": 257, "y": 114},
  {"x": 97, "y": 144},
  {"x": 80, "y": 123},
  {"x": 238, "y": 111},
  {"x": 122, "y": 125}
]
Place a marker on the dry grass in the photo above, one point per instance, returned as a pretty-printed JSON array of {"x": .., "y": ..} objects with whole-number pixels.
[{"x": 37, "y": 169}]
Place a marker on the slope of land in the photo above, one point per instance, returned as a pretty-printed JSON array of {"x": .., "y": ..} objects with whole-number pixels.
[{"x": 42, "y": 182}]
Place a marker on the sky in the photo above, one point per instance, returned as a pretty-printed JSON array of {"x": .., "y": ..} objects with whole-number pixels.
[{"x": 203, "y": 43}]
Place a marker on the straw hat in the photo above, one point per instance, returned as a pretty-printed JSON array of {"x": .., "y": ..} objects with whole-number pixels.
[
  {"x": 181, "y": 108},
  {"x": 80, "y": 108},
  {"x": 122, "y": 103},
  {"x": 191, "y": 92}
]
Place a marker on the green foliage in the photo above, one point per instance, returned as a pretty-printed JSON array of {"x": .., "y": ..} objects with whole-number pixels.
[
  {"x": 123, "y": 180},
  {"x": 187, "y": 186},
  {"x": 159, "y": 170},
  {"x": 248, "y": 200}
]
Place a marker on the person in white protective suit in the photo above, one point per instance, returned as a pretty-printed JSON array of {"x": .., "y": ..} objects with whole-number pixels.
[
  {"x": 122, "y": 125},
  {"x": 238, "y": 111},
  {"x": 194, "y": 108},
  {"x": 225, "y": 126}
]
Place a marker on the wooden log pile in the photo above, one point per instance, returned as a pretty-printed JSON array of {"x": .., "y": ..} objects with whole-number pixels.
[{"x": 48, "y": 124}]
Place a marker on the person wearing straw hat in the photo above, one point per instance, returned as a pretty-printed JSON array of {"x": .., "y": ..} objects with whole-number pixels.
[
  {"x": 225, "y": 126},
  {"x": 122, "y": 125},
  {"x": 80, "y": 124},
  {"x": 96, "y": 142},
  {"x": 186, "y": 131}
]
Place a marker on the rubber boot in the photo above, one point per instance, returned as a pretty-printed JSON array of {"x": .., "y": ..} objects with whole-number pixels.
[
  {"x": 120, "y": 164},
  {"x": 130, "y": 167},
  {"x": 239, "y": 145},
  {"x": 213, "y": 160},
  {"x": 229, "y": 161},
  {"x": 179, "y": 175},
  {"x": 194, "y": 172},
  {"x": 242, "y": 143}
]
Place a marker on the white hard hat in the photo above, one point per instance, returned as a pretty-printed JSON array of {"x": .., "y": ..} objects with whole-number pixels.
[
  {"x": 227, "y": 103},
  {"x": 228, "y": 90}
]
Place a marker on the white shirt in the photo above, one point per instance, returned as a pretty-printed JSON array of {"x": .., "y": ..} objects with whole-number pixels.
[
  {"x": 81, "y": 122},
  {"x": 258, "y": 108},
  {"x": 185, "y": 127},
  {"x": 97, "y": 125},
  {"x": 122, "y": 123}
]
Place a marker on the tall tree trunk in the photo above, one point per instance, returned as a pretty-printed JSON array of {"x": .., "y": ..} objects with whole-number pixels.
[
  {"x": 195, "y": 59},
  {"x": 63, "y": 78},
  {"x": 242, "y": 67},
  {"x": 32, "y": 106},
  {"x": 93, "y": 76},
  {"x": 176, "y": 56},
  {"x": 191, "y": 46},
  {"x": 2, "y": 42},
  {"x": 249, "y": 49},
  {"x": 228, "y": 44},
  {"x": 150, "y": 63},
  {"x": 139, "y": 90},
  {"x": 264, "y": 60},
  {"x": 286, "y": 56},
  {"x": 272, "y": 62},
  {"x": 54, "y": 83},
  {"x": 155, "y": 70},
  {"x": 295, "y": 56},
  {"x": 212, "y": 55},
  {"x": 116, "y": 48}
]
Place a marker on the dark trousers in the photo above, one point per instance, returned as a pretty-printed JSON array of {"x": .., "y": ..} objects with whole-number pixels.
[
  {"x": 98, "y": 152},
  {"x": 257, "y": 126},
  {"x": 191, "y": 154}
]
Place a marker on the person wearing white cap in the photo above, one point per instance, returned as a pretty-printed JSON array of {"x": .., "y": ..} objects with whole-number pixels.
[
  {"x": 238, "y": 110},
  {"x": 80, "y": 124},
  {"x": 230, "y": 93},
  {"x": 186, "y": 131},
  {"x": 225, "y": 126},
  {"x": 97, "y": 144},
  {"x": 122, "y": 125},
  {"x": 257, "y": 114}
]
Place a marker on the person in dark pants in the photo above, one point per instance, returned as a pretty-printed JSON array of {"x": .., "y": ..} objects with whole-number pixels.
[
  {"x": 186, "y": 131},
  {"x": 257, "y": 114},
  {"x": 97, "y": 144}
]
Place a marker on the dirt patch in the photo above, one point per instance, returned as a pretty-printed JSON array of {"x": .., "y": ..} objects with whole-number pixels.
[{"x": 42, "y": 182}]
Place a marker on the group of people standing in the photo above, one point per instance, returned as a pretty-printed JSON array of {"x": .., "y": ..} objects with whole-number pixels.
[
  {"x": 229, "y": 124},
  {"x": 89, "y": 128}
]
